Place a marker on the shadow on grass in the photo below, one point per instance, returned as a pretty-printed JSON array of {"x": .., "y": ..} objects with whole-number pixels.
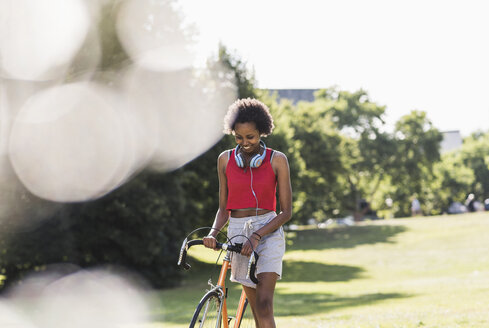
[
  {"x": 312, "y": 303},
  {"x": 342, "y": 237},
  {"x": 294, "y": 271},
  {"x": 177, "y": 306},
  {"x": 298, "y": 271}
]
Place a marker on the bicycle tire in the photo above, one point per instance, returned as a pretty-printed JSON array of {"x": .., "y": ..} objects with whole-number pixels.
[
  {"x": 206, "y": 314},
  {"x": 247, "y": 319}
]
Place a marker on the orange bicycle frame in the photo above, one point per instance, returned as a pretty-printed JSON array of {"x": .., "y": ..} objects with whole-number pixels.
[{"x": 221, "y": 283}]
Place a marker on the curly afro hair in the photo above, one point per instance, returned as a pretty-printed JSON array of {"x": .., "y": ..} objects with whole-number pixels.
[{"x": 249, "y": 110}]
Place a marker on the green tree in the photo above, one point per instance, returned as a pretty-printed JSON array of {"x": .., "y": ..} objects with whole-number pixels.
[
  {"x": 368, "y": 152},
  {"x": 358, "y": 153},
  {"x": 452, "y": 181},
  {"x": 318, "y": 144},
  {"x": 134, "y": 227},
  {"x": 475, "y": 155},
  {"x": 243, "y": 78},
  {"x": 418, "y": 144}
]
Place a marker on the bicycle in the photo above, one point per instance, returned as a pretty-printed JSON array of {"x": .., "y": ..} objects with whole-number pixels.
[{"x": 212, "y": 309}]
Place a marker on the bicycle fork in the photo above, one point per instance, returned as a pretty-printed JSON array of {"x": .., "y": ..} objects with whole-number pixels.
[{"x": 221, "y": 283}]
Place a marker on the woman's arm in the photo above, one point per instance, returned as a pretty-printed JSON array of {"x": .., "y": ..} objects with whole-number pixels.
[
  {"x": 222, "y": 215},
  {"x": 280, "y": 165}
]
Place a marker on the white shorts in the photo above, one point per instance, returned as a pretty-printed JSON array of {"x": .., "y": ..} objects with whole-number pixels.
[{"x": 271, "y": 248}]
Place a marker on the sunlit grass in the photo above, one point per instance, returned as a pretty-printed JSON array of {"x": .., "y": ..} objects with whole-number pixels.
[{"x": 414, "y": 272}]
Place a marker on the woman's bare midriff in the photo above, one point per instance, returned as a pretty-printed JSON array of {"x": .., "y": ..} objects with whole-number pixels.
[{"x": 242, "y": 213}]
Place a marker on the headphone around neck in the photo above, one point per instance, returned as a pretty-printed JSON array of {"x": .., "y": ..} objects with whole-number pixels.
[{"x": 255, "y": 161}]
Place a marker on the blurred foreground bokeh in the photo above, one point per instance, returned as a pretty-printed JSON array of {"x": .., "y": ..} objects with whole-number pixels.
[{"x": 92, "y": 94}]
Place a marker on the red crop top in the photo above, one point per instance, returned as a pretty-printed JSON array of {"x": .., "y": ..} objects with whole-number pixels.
[{"x": 239, "y": 185}]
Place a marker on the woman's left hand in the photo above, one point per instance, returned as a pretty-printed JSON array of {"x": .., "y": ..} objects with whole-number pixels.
[{"x": 250, "y": 246}]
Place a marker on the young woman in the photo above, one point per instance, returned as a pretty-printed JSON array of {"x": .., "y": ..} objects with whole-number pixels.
[{"x": 249, "y": 178}]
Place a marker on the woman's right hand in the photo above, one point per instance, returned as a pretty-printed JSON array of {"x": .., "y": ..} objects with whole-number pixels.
[{"x": 209, "y": 242}]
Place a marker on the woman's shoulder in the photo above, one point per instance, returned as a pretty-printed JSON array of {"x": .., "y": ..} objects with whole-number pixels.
[
  {"x": 223, "y": 157},
  {"x": 225, "y": 154},
  {"x": 278, "y": 154}
]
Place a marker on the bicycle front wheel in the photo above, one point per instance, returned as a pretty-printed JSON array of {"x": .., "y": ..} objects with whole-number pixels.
[{"x": 206, "y": 314}]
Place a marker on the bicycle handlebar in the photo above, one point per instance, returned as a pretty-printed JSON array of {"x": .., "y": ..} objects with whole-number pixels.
[{"x": 182, "y": 259}]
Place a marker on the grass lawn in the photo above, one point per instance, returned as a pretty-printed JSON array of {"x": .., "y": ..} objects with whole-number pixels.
[{"x": 414, "y": 272}]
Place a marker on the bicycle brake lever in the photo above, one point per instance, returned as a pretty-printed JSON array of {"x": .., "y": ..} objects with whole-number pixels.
[
  {"x": 183, "y": 256},
  {"x": 252, "y": 267}
]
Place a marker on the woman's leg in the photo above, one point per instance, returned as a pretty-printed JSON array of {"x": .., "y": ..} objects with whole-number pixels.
[
  {"x": 261, "y": 299},
  {"x": 251, "y": 295}
]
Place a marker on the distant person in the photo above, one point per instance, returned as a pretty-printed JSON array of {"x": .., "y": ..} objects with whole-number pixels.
[
  {"x": 364, "y": 206},
  {"x": 366, "y": 211},
  {"x": 478, "y": 206},
  {"x": 456, "y": 208},
  {"x": 486, "y": 204},
  {"x": 470, "y": 203},
  {"x": 389, "y": 202},
  {"x": 415, "y": 207}
]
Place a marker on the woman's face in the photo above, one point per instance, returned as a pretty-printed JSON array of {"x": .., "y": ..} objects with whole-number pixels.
[{"x": 247, "y": 137}]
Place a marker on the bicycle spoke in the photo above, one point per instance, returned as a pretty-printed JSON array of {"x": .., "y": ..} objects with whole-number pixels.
[{"x": 207, "y": 313}]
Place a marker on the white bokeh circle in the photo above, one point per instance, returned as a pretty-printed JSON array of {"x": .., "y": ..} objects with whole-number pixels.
[
  {"x": 68, "y": 143},
  {"x": 38, "y": 40},
  {"x": 156, "y": 35}
]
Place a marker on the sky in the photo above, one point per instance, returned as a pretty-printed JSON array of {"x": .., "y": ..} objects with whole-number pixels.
[{"x": 428, "y": 55}]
